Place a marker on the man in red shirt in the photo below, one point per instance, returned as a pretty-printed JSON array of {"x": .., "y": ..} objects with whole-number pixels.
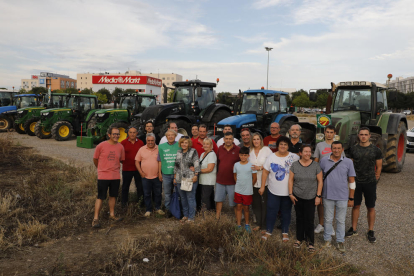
[
  {"x": 271, "y": 140},
  {"x": 129, "y": 171},
  {"x": 107, "y": 158},
  {"x": 227, "y": 156},
  {"x": 198, "y": 143}
]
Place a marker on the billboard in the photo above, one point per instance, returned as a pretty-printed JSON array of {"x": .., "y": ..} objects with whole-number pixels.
[
  {"x": 108, "y": 79},
  {"x": 41, "y": 81},
  {"x": 34, "y": 77}
]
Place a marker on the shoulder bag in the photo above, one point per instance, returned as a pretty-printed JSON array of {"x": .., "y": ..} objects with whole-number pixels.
[{"x": 331, "y": 169}]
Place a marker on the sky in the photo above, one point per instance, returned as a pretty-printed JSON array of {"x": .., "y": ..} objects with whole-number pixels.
[{"x": 315, "y": 42}]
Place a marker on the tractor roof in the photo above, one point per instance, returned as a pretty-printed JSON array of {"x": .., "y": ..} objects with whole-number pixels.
[
  {"x": 136, "y": 94},
  {"x": 266, "y": 92},
  {"x": 359, "y": 83},
  {"x": 194, "y": 82},
  {"x": 83, "y": 95},
  {"x": 59, "y": 94},
  {"x": 26, "y": 95}
]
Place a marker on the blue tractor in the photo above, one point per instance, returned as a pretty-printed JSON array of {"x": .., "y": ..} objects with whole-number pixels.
[
  {"x": 259, "y": 108},
  {"x": 8, "y": 113}
]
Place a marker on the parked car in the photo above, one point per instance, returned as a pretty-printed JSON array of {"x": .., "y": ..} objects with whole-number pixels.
[
  {"x": 410, "y": 139},
  {"x": 390, "y": 111},
  {"x": 406, "y": 112}
]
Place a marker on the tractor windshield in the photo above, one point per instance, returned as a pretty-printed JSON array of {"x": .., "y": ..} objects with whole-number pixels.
[
  {"x": 127, "y": 103},
  {"x": 352, "y": 99},
  {"x": 23, "y": 102},
  {"x": 252, "y": 103},
  {"x": 72, "y": 103},
  {"x": 183, "y": 94},
  {"x": 5, "y": 98},
  {"x": 147, "y": 101}
]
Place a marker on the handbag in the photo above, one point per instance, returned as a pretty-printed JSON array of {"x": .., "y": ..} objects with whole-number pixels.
[
  {"x": 175, "y": 207},
  {"x": 186, "y": 184}
]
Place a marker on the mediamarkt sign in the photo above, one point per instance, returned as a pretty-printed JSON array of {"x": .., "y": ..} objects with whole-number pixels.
[{"x": 108, "y": 79}]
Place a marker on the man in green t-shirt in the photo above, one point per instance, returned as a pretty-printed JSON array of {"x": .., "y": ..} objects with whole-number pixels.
[{"x": 166, "y": 161}]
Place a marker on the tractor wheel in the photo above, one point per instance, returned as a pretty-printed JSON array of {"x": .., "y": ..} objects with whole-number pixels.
[
  {"x": 29, "y": 126},
  {"x": 396, "y": 150},
  {"x": 284, "y": 128},
  {"x": 122, "y": 130},
  {"x": 19, "y": 128},
  {"x": 183, "y": 127},
  {"x": 41, "y": 133},
  {"x": 5, "y": 123},
  {"x": 307, "y": 136},
  {"x": 218, "y": 116},
  {"x": 62, "y": 131}
]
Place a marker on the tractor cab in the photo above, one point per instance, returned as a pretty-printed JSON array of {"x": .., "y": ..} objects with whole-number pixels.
[
  {"x": 28, "y": 100},
  {"x": 6, "y": 97},
  {"x": 136, "y": 103}
]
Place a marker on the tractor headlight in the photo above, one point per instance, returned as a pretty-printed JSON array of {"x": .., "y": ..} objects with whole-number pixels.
[
  {"x": 45, "y": 114},
  {"x": 101, "y": 114},
  {"x": 320, "y": 136},
  {"x": 337, "y": 138},
  {"x": 20, "y": 112}
]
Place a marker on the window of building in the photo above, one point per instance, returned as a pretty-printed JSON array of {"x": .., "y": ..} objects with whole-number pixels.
[
  {"x": 81, "y": 77},
  {"x": 168, "y": 78},
  {"x": 163, "y": 78}
]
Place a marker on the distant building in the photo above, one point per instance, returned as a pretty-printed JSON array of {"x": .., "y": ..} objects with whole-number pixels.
[
  {"x": 403, "y": 85},
  {"x": 84, "y": 80},
  {"x": 48, "y": 80}
]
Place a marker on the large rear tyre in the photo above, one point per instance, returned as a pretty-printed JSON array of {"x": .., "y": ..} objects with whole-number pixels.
[
  {"x": 41, "y": 133},
  {"x": 123, "y": 127},
  {"x": 284, "y": 128},
  {"x": 396, "y": 150},
  {"x": 218, "y": 116},
  {"x": 5, "y": 123},
  {"x": 183, "y": 127},
  {"x": 62, "y": 131},
  {"x": 29, "y": 126},
  {"x": 19, "y": 128}
]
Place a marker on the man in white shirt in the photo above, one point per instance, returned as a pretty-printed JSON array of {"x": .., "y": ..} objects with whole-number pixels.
[
  {"x": 174, "y": 127},
  {"x": 227, "y": 128}
]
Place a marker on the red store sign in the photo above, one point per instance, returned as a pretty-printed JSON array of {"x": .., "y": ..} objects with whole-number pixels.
[
  {"x": 34, "y": 77},
  {"x": 108, "y": 79}
]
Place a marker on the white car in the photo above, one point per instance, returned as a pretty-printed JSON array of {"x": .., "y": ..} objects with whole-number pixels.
[
  {"x": 410, "y": 139},
  {"x": 407, "y": 112}
]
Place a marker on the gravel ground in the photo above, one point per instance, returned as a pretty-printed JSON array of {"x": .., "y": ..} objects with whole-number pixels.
[{"x": 393, "y": 254}]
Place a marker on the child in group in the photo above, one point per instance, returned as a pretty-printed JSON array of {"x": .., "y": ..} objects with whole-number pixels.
[{"x": 243, "y": 195}]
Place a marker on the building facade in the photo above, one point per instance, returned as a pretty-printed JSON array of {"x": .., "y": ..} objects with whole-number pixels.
[
  {"x": 48, "y": 80},
  {"x": 84, "y": 80},
  {"x": 403, "y": 85}
]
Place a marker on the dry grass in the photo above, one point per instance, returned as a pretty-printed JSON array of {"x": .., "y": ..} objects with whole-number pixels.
[{"x": 211, "y": 247}]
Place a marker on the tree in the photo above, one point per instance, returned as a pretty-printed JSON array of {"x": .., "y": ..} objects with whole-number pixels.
[
  {"x": 106, "y": 92},
  {"x": 298, "y": 93},
  {"x": 71, "y": 91},
  {"x": 115, "y": 94},
  {"x": 102, "y": 99},
  {"x": 225, "y": 98},
  {"x": 321, "y": 100},
  {"x": 58, "y": 91},
  {"x": 22, "y": 91},
  {"x": 39, "y": 90},
  {"x": 302, "y": 101},
  {"x": 170, "y": 96},
  {"x": 87, "y": 91},
  {"x": 130, "y": 90}
]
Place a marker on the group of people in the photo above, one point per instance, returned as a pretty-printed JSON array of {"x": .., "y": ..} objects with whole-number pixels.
[{"x": 267, "y": 175}]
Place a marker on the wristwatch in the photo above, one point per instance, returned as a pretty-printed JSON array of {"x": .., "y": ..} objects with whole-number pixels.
[
  {"x": 351, "y": 199},
  {"x": 319, "y": 196}
]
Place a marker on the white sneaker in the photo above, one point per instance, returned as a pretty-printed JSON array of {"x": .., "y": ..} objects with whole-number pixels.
[
  {"x": 147, "y": 214},
  {"x": 319, "y": 229},
  {"x": 333, "y": 232}
]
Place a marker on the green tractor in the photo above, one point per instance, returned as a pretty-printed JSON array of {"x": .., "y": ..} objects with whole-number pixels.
[
  {"x": 130, "y": 104},
  {"x": 27, "y": 117},
  {"x": 356, "y": 104},
  {"x": 62, "y": 123}
]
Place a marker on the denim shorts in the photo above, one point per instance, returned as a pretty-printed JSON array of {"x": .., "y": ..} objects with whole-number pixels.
[{"x": 222, "y": 190}]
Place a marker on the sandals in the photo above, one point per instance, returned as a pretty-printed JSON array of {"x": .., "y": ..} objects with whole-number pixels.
[
  {"x": 96, "y": 224},
  {"x": 266, "y": 236},
  {"x": 297, "y": 244},
  {"x": 184, "y": 219},
  {"x": 285, "y": 238},
  {"x": 311, "y": 249}
]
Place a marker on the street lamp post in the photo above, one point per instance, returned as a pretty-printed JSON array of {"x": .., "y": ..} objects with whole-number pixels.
[{"x": 268, "y": 49}]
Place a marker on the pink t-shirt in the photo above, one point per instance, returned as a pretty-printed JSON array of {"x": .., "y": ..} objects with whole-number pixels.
[
  {"x": 149, "y": 163},
  {"x": 109, "y": 160}
]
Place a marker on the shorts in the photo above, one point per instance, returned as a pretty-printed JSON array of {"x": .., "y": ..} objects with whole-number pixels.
[
  {"x": 370, "y": 194},
  {"x": 246, "y": 200},
  {"x": 222, "y": 190},
  {"x": 103, "y": 186}
]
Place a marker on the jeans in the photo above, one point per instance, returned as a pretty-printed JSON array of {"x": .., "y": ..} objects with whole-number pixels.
[
  {"x": 168, "y": 185},
  {"x": 305, "y": 215},
  {"x": 126, "y": 182},
  {"x": 154, "y": 187},
  {"x": 207, "y": 191},
  {"x": 259, "y": 207},
  {"x": 188, "y": 201},
  {"x": 274, "y": 204},
  {"x": 329, "y": 211}
]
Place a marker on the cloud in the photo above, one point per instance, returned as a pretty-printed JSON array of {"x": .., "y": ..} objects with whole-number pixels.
[{"x": 261, "y": 4}]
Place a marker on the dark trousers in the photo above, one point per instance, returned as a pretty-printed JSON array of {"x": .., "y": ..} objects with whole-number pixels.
[
  {"x": 152, "y": 187},
  {"x": 259, "y": 207},
  {"x": 126, "y": 182},
  {"x": 305, "y": 214},
  {"x": 207, "y": 192},
  {"x": 275, "y": 204}
]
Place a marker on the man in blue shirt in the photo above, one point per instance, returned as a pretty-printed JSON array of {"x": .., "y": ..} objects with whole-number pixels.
[{"x": 338, "y": 192}]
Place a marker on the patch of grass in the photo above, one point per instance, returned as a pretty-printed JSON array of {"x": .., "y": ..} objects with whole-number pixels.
[{"x": 214, "y": 247}]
